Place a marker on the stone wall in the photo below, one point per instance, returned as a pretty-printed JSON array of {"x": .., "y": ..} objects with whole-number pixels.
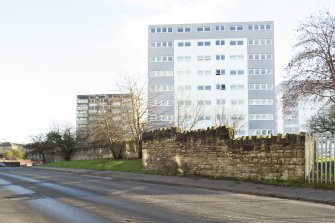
[
  {"x": 129, "y": 151},
  {"x": 214, "y": 152},
  {"x": 20, "y": 162}
]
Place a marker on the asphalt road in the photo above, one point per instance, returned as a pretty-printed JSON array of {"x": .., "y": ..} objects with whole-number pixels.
[{"x": 34, "y": 195}]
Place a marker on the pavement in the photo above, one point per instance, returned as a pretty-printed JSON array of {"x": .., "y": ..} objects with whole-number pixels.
[{"x": 292, "y": 193}]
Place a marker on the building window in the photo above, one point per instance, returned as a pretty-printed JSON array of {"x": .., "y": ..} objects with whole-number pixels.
[
  {"x": 204, "y": 87},
  {"x": 161, "y": 73},
  {"x": 220, "y": 117},
  {"x": 184, "y": 44},
  {"x": 205, "y": 118},
  {"x": 240, "y": 72},
  {"x": 236, "y": 72},
  {"x": 184, "y": 102},
  {"x": 221, "y": 87},
  {"x": 184, "y": 87},
  {"x": 219, "y": 42},
  {"x": 220, "y": 101},
  {"x": 160, "y": 44},
  {"x": 260, "y": 71},
  {"x": 261, "y": 131},
  {"x": 204, "y": 43},
  {"x": 161, "y": 103},
  {"x": 219, "y": 28},
  {"x": 161, "y": 59},
  {"x": 204, "y": 29},
  {"x": 184, "y": 72},
  {"x": 236, "y": 28},
  {"x": 204, "y": 72},
  {"x": 183, "y": 29},
  {"x": 260, "y": 42},
  {"x": 165, "y": 118},
  {"x": 204, "y": 58},
  {"x": 236, "y": 42},
  {"x": 233, "y": 87},
  {"x": 237, "y": 102},
  {"x": 220, "y": 57},
  {"x": 263, "y": 56},
  {"x": 184, "y": 58},
  {"x": 240, "y": 102},
  {"x": 220, "y": 72},
  {"x": 236, "y": 87},
  {"x": 161, "y": 30},
  {"x": 261, "y": 101},
  {"x": 204, "y": 102},
  {"x": 236, "y": 57},
  {"x": 259, "y": 27},
  {"x": 260, "y": 117},
  {"x": 161, "y": 88},
  {"x": 260, "y": 87},
  {"x": 166, "y": 103}
]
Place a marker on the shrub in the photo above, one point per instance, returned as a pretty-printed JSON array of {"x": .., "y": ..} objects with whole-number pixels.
[{"x": 14, "y": 154}]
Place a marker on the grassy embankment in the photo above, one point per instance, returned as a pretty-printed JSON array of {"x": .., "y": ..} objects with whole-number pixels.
[{"x": 134, "y": 166}]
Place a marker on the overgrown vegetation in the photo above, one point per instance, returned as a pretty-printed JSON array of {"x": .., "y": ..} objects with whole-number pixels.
[
  {"x": 64, "y": 141},
  {"x": 14, "y": 154},
  {"x": 311, "y": 71},
  {"x": 60, "y": 141},
  {"x": 323, "y": 120}
]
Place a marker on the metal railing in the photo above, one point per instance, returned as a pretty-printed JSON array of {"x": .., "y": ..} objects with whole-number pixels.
[{"x": 320, "y": 158}]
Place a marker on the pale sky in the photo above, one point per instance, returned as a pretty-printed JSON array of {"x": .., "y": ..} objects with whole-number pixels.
[{"x": 53, "y": 50}]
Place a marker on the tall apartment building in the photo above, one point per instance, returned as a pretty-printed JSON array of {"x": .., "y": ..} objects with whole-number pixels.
[
  {"x": 213, "y": 67},
  {"x": 91, "y": 107},
  {"x": 297, "y": 120}
]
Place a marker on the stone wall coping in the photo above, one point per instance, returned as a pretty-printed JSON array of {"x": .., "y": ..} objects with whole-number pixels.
[{"x": 222, "y": 132}]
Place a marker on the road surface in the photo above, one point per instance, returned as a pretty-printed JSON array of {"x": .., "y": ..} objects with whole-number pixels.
[{"x": 34, "y": 195}]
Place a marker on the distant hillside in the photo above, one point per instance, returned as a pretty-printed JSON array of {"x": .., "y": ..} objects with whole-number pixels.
[{"x": 4, "y": 146}]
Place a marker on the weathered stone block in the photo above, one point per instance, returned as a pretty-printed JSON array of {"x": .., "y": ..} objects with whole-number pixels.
[{"x": 207, "y": 152}]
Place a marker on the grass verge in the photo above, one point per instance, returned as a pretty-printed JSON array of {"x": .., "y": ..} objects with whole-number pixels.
[{"x": 134, "y": 165}]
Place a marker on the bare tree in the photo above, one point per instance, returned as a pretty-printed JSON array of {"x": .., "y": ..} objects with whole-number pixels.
[
  {"x": 136, "y": 110},
  {"x": 39, "y": 146},
  {"x": 107, "y": 125},
  {"x": 311, "y": 71},
  {"x": 58, "y": 141},
  {"x": 188, "y": 115},
  {"x": 231, "y": 117},
  {"x": 143, "y": 102},
  {"x": 323, "y": 121},
  {"x": 115, "y": 120}
]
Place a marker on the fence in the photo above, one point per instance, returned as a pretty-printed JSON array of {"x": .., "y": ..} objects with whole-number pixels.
[{"x": 320, "y": 159}]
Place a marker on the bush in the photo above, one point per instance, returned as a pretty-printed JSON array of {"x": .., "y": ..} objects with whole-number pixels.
[
  {"x": 14, "y": 154},
  {"x": 8, "y": 154}
]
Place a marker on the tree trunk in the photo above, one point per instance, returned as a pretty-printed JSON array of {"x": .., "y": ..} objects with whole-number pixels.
[
  {"x": 43, "y": 157},
  {"x": 139, "y": 144},
  {"x": 112, "y": 149}
]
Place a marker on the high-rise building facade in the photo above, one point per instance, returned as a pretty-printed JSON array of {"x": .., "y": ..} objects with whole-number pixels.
[
  {"x": 92, "y": 108},
  {"x": 207, "y": 71},
  {"x": 297, "y": 119}
]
